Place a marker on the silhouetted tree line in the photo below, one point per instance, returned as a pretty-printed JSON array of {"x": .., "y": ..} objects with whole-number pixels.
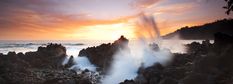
[
  {"x": 229, "y": 6},
  {"x": 205, "y": 31}
]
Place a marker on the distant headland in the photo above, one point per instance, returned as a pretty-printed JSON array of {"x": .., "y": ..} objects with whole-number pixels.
[{"x": 205, "y": 31}]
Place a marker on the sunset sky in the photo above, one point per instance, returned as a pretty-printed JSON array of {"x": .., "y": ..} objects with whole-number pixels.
[{"x": 99, "y": 19}]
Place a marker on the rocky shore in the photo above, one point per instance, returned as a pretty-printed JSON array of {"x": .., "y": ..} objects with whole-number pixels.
[
  {"x": 41, "y": 67},
  {"x": 204, "y": 63}
]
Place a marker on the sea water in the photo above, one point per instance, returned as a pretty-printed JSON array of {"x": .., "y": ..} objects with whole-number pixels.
[{"x": 73, "y": 47}]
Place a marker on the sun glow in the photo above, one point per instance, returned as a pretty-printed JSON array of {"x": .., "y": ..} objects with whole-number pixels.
[{"x": 107, "y": 32}]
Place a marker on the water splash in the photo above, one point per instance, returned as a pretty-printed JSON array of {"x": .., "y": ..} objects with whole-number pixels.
[
  {"x": 126, "y": 63},
  {"x": 83, "y": 63}
]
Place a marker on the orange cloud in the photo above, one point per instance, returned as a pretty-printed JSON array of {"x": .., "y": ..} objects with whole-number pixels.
[
  {"x": 52, "y": 19},
  {"x": 28, "y": 24}
]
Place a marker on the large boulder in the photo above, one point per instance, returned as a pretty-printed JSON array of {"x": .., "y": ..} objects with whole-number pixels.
[
  {"x": 70, "y": 63},
  {"x": 50, "y": 56},
  {"x": 102, "y": 55}
]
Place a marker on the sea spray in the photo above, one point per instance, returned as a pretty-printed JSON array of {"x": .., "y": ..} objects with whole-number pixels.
[
  {"x": 65, "y": 60},
  {"x": 85, "y": 69},
  {"x": 124, "y": 67},
  {"x": 179, "y": 46},
  {"x": 127, "y": 62},
  {"x": 83, "y": 63}
]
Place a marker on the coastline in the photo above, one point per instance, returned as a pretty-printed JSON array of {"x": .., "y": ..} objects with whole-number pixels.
[{"x": 44, "y": 66}]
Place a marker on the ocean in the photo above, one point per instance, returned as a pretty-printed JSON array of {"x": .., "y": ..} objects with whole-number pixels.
[{"x": 73, "y": 47}]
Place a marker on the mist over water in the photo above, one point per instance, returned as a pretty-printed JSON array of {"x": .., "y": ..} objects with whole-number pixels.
[
  {"x": 124, "y": 67},
  {"x": 127, "y": 62},
  {"x": 83, "y": 63}
]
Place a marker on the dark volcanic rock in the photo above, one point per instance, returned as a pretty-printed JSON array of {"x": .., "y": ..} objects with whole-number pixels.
[
  {"x": 204, "y": 63},
  {"x": 50, "y": 56},
  {"x": 168, "y": 81},
  {"x": 196, "y": 48},
  {"x": 41, "y": 67},
  {"x": 102, "y": 55},
  {"x": 70, "y": 62},
  {"x": 214, "y": 66},
  {"x": 198, "y": 79},
  {"x": 152, "y": 75},
  {"x": 128, "y": 82}
]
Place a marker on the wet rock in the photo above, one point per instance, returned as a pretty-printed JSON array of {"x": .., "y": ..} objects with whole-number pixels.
[
  {"x": 196, "y": 48},
  {"x": 50, "y": 56},
  {"x": 150, "y": 75},
  {"x": 60, "y": 81},
  {"x": 70, "y": 62},
  {"x": 216, "y": 67},
  {"x": 11, "y": 54},
  {"x": 41, "y": 67},
  {"x": 52, "y": 50},
  {"x": 140, "y": 79},
  {"x": 154, "y": 46},
  {"x": 206, "y": 43},
  {"x": 122, "y": 42},
  {"x": 168, "y": 81},
  {"x": 128, "y": 82},
  {"x": 102, "y": 55},
  {"x": 196, "y": 78},
  {"x": 83, "y": 81}
]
